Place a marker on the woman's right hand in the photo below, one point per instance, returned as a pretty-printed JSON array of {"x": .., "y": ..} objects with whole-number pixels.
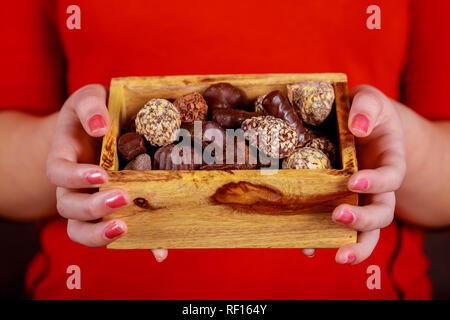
[{"x": 70, "y": 166}]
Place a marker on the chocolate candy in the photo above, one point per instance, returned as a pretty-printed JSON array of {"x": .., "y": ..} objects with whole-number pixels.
[
  {"x": 141, "y": 162},
  {"x": 244, "y": 158},
  {"x": 171, "y": 157},
  {"x": 273, "y": 136},
  {"x": 276, "y": 104},
  {"x": 307, "y": 158},
  {"x": 312, "y": 99},
  {"x": 192, "y": 107},
  {"x": 158, "y": 121},
  {"x": 314, "y": 132},
  {"x": 258, "y": 107},
  {"x": 225, "y": 96},
  {"x": 130, "y": 145},
  {"x": 210, "y": 132},
  {"x": 231, "y": 118},
  {"x": 324, "y": 145},
  {"x": 129, "y": 126}
]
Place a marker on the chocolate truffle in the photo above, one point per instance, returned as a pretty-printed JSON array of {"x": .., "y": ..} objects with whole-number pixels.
[
  {"x": 324, "y": 145},
  {"x": 273, "y": 136},
  {"x": 158, "y": 121},
  {"x": 307, "y": 158},
  {"x": 192, "y": 107},
  {"x": 312, "y": 99}
]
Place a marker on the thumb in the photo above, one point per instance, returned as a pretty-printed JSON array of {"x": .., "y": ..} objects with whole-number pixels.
[
  {"x": 366, "y": 112},
  {"x": 89, "y": 104}
]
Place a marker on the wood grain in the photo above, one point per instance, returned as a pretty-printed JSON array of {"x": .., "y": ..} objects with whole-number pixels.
[{"x": 231, "y": 208}]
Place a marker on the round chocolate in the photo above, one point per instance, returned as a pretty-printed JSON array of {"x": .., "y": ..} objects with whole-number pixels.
[
  {"x": 224, "y": 95},
  {"x": 273, "y": 136},
  {"x": 324, "y": 145},
  {"x": 313, "y": 100},
  {"x": 158, "y": 121},
  {"x": 192, "y": 107},
  {"x": 307, "y": 158}
]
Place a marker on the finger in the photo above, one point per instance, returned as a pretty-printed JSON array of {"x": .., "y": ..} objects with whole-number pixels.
[
  {"x": 160, "y": 254},
  {"x": 309, "y": 252},
  {"x": 89, "y": 104},
  {"x": 87, "y": 207},
  {"x": 95, "y": 234},
  {"x": 67, "y": 143},
  {"x": 386, "y": 178},
  {"x": 378, "y": 214},
  {"x": 65, "y": 173},
  {"x": 373, "y": 111},
  {"x": 358, "y": 252},
  {"x": 367, "y": 106}
]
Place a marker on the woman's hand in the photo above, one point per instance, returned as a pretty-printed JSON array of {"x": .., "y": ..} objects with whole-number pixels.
[
  {"x": 375, "y": 123},
  {"x": 83, "y": 118}
]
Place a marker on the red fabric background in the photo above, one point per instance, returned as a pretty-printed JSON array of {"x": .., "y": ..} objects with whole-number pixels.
[{"x": 41, "y": 59}]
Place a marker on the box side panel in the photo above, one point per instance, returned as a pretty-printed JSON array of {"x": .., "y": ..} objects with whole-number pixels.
[
  {"x": 232, "y": 209},
  {"x": 108, "y": 158},
  {"x": 346, "y": 139}
]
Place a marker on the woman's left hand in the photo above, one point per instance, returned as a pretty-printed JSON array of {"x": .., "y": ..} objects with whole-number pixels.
[{"x": 375, "y": 123}]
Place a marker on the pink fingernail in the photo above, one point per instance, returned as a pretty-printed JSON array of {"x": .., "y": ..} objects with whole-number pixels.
[
  {"x": 350, "y": 259},
  {"x": 114, "y": 230},
  {"x": 95, "y": 177},
  {"x": 360, "y": 184},
  {"x": 361, "y": 123},
  {"x": 96, "y": 122},
  {"x": 116, "y": 201},
  {"x": 346, "y": 217}
]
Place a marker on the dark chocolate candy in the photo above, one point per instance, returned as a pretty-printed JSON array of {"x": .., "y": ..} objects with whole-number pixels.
[
  {"x": 192, "y": 107},
  {"x": 210, "y": 132},
  {"x": 244, "y": 158},
  {"x": 231, "y": 118},
  {"x": 130, "y": 145},
  {"x": 141, "y": 162},
  {"x": 129, "y": 126},
  {"x": 164, "y": 158},
  {"x": 225, "y": 96},
  {"x": 278, "y": 106}
]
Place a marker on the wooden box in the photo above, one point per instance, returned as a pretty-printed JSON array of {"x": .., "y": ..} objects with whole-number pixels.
[{"x": 232, "y": 208}]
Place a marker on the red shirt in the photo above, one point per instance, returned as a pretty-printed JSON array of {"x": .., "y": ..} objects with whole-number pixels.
[{"x": 42, "y": 61}]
